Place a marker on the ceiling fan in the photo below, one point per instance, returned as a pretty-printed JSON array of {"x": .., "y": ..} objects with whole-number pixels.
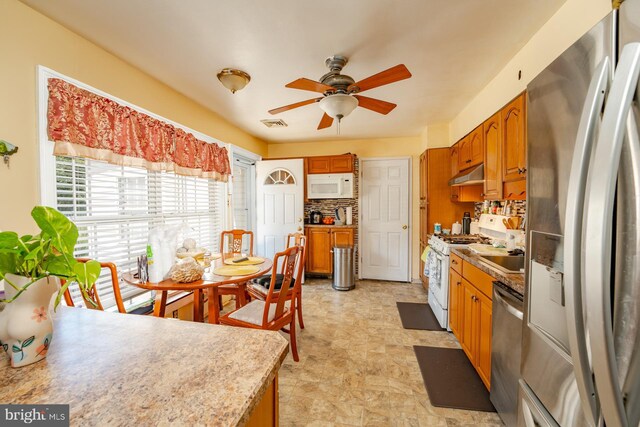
[{"x": 339, "y": 91}]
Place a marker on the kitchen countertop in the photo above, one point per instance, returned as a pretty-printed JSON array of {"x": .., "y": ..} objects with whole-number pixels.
[
  {"x": 125, "y": 369},
  {"x": 331, "y": 226},
  {"x": 513, "y": 280}
]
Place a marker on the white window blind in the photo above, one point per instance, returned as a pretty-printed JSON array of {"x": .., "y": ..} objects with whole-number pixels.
[{"x": 115, "y": 207}]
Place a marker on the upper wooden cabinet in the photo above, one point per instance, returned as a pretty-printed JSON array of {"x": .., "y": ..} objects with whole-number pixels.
[
  {"x": 330, "y": 164},
  {"x": 455, "y": 168},
  {"x": 492, "y": 164},
  {"x": 423, "y": 178},
  {"x": 514, "y": 140},
  {"x": 471, "y": 149}
]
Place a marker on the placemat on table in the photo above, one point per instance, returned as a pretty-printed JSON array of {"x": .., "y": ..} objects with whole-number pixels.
[
  {"x": 236, "y": 270},
  {"x": 253, "y": 260}
]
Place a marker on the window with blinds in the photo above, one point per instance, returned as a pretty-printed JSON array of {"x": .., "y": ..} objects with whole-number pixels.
[{"x": 115, "y": 207}]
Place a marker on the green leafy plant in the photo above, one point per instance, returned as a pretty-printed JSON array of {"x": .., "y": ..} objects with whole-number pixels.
[{"x": 49, "y": 253}]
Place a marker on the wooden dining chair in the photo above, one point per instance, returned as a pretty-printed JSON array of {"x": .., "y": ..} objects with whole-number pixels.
[
  {"x": 93, "y": 293},
  {"x": 274, "y": 313},
  {"x": 260, "y": 286},
  {"x": 234, "y": 239}
]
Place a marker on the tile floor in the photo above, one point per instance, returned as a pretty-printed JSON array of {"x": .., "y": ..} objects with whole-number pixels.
[{"x": 357, "y": 366}]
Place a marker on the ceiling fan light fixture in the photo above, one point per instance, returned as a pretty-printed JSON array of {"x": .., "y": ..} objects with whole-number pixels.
[
  {"x": 233, "y": 79},
  {"x": 338, "y": 105}
]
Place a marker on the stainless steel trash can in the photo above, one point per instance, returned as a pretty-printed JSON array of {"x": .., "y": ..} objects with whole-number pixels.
[{"x": 344, "y": 277}]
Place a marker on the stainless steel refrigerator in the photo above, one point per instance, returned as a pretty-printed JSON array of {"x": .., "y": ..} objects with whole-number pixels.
[{"x": 581, "y": 342}]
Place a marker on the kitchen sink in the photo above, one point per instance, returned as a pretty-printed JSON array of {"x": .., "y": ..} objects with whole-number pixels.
[{"x": 508, "y": 264}]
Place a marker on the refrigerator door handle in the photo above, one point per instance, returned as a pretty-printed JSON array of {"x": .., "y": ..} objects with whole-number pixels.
[
  {"x": 573, "y": 238},
  {"x": 631, "y": 387},
  {"x": 599, "y": 233}
]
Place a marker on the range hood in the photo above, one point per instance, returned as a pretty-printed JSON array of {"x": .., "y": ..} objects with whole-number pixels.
[{"x": 471, "y": 176}]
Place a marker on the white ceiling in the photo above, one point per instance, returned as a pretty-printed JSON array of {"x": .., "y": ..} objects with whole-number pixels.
[{"x": 452, "y": 48}]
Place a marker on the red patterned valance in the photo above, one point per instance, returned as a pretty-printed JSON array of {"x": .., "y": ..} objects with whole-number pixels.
[{"x": 83, "y": 124}]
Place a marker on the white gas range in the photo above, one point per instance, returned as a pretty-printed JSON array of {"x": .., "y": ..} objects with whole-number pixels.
[{"x": 491, "y": 227}]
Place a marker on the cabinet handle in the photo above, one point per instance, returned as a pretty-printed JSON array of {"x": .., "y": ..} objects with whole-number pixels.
[
  {"x": 510, "y": 194},
  {"x": 453, "y": 261},
  {"x": 468, "y": 161},
  {"x": 474, "y": 298},
  {"x": 458, "y": 283},
  {"x": 522, "y": 192},
  {"x": 482, "y": 194}
]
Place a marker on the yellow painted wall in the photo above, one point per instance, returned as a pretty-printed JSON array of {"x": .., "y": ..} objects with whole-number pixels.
[
  {"x": 383, "y": 147},
  {"x": 30, "y": 39},
  {"x": 566, "y": 26}
]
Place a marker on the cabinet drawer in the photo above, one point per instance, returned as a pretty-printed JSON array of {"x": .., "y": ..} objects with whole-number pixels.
[
  {"x": 481, "y": 280},
  {"x": 456, "y": 263}
]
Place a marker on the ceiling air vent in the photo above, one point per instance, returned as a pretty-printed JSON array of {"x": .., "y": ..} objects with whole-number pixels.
[{"x": 271, "y": 123}]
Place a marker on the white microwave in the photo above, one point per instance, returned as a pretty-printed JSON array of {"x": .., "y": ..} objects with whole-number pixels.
[{"x": 330, "y": 186}]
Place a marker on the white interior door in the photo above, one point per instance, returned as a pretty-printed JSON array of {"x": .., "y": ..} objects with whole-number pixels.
[
  {"x": 244, "y": 189},
  {"x": 280, "y": 203},
  {"x": 384, "y": 224}
]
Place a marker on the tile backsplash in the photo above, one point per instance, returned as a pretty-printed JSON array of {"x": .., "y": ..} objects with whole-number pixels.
[{"x": 519, "y": 208}]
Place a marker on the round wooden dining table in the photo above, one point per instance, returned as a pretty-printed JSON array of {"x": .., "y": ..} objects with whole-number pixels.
[{"x": 209, "y": 283}]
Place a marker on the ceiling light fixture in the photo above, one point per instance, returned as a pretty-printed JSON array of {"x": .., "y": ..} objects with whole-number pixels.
[
  {"x": 338, "y": 105},
  {"x": 233, "y": 79}
]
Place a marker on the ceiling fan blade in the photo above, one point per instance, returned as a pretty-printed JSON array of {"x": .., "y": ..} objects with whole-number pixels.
[
  {"x": 382, "y": 107},
  {"x": 392, "y": 75},
  {"x": 292, "y": 106},
  {"x": 307, "y": 84},
  {"x": 325, "y": 122}
]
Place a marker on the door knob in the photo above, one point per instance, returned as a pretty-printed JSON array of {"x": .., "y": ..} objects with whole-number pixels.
[
  {"x": 404, "y": 227},
  {"x": 299, "y": 228}
]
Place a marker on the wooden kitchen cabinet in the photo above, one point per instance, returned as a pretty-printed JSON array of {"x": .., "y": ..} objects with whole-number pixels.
[
  {"x": 492, "y": 158},
  {"x": 514, "y": 140},
  {"x": 424, "y": 232},
  {"x": 467, "y": 324},
  {"x": 330, "y": 164},
  {"x": 455, "y": 168},
  {"x": 471, "y": 149},
  {"x": 455, "y": 295},
  {"x": 483, "y": 308},
  {"x": 319, "y": 250},
  {"x": 320, "y": 241},
  {"x": 342, "y": 237},
  {"x": 439, "y": 207},
  {"x": 470, "y": 316}
]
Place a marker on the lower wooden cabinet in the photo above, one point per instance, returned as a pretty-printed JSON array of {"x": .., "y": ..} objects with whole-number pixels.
[
  {"x": 483, "y": 335},
  {"x": 470, "y": 317},
  {"x": 320, "y": 240},
  {"x": 455, "y": 294}
]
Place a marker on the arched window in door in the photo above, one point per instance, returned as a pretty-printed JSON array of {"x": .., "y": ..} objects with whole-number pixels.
[{"x": 280, "y": 177}]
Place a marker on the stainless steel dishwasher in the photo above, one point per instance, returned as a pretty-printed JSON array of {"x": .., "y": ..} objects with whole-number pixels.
[{"x": 506, "y": 346}]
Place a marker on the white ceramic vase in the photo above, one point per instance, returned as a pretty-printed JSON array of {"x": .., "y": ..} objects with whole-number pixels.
[{"x": 25, "y": 324}]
